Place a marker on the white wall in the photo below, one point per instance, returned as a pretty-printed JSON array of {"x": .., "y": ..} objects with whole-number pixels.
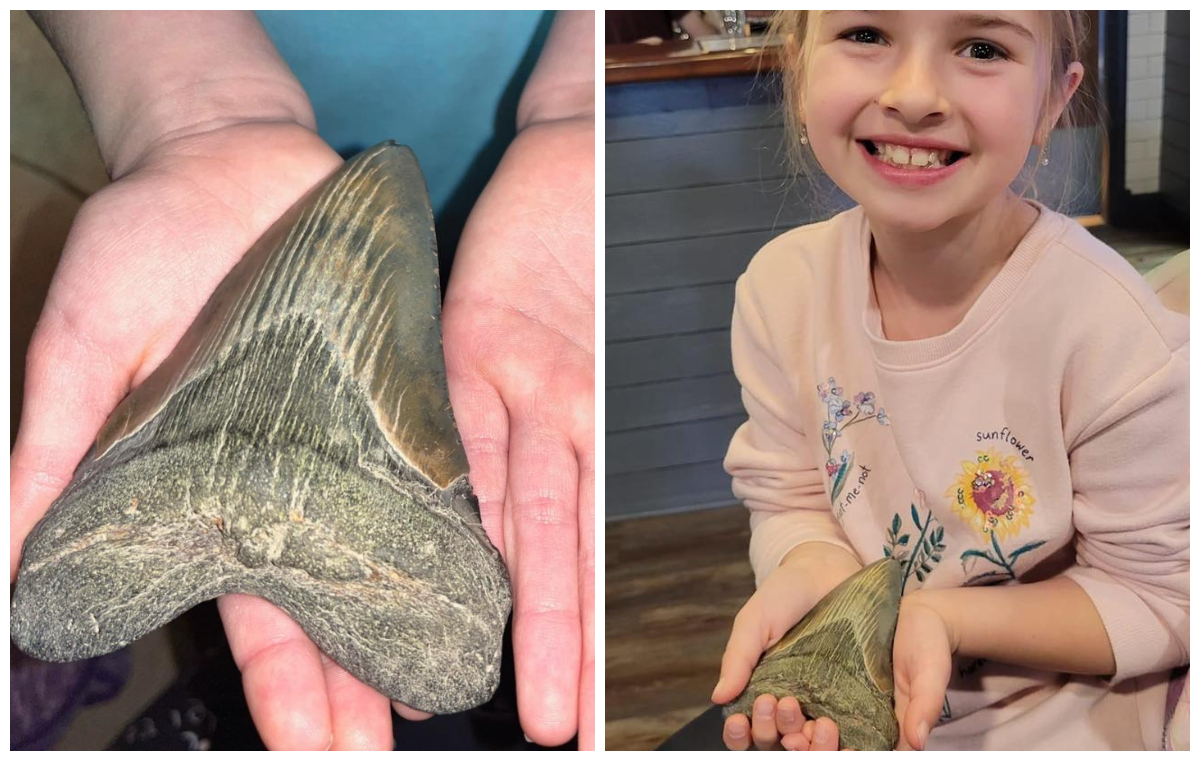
[{"x": 1144, "y": 101}]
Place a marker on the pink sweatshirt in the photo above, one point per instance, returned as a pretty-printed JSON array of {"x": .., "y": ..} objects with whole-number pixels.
[{"x": 1047, "y": 433}]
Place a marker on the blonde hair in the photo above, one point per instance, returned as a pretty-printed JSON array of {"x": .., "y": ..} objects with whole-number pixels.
[{"x": 796, "y": 30}]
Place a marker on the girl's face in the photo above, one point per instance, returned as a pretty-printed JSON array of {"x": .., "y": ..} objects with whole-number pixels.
[{"x": 971, "y": 79}]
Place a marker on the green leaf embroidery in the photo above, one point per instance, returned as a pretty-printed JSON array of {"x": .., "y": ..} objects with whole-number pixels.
[
  {"x": 1021, "y": 551},
  {"x": 979, "y": 554}
]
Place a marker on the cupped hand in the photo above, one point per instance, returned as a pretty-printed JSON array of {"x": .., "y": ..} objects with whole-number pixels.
[
  {"x": 141, "y": 259},
  {"x": 921, "y": 660},
  {"x": 519, "y": 327},
  {"x": 783, "y": 598}
]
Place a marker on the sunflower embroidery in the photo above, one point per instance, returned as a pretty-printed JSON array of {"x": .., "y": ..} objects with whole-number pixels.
[{"x": 993, "y": 495}]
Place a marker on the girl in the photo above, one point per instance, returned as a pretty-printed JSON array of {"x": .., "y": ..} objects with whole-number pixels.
[{"x": 968, "y": 381}]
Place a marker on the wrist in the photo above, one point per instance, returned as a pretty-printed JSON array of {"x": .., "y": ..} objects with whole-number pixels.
[
  {"x": 193, "y": 109},
  {"x": 933, "y": 600},
  {"x": 563, "y": 84},
  {"x": 822, "y": 564},
  {"x": 148, "y": 78}
]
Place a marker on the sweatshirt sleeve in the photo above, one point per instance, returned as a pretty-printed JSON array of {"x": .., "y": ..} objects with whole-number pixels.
[
  {"x": 1130, "y": 474},
  {"x": 773, "y": 470}
]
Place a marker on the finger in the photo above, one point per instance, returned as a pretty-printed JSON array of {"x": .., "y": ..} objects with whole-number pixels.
[
  {"x": 794, "y": 741},
  {"x": 788, "y": 716},
  {"x": 361, "y": 718},
  {"x": 587, "y": 600},
  {"x": 482, "y": 422},
  {"x": 737, "y": 732},
  {"x": 809, "y": 730},
  {"x": 746, "y": 643},
  {"x": 541, "y": 507},
  {"x": 763, "y": 728},
  {"x": 410, "y": 713},
  {"x": 825, "y": 734},
  {"x": 281, "y": 674},
  {"x": 71, "y": 386}
]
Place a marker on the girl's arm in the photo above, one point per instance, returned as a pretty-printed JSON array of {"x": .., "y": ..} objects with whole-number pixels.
[
  {"x": 1050, "y": 625},
  {"x": 147, "y": 77},
  {"x": 1123, "y": 609}
]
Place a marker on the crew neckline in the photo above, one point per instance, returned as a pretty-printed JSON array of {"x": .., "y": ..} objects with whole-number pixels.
[{"x": 987, "y": 307}]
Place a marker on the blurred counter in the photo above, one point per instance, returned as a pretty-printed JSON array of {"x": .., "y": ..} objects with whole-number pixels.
[{"x": 686, "y": 59}]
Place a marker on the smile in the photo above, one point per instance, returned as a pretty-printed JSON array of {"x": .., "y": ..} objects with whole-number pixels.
[{"x": 911, "y": 167}]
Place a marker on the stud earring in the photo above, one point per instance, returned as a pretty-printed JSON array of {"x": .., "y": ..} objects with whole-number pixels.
[
  {"x": 803, "y": 135},
  {"x": 1045, "y": 157}
]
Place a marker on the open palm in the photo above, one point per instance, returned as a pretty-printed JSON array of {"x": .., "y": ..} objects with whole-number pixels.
[
  {"x": 142, "y": 258},
  {"x": 519, "y": 327}
]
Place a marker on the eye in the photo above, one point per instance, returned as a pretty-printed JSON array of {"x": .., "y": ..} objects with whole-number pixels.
[
  {"x": 863, "y": 35},
  {"x": 985, "y": 51}
]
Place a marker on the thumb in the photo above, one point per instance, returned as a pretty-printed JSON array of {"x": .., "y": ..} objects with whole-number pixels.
[
  {"x": 746, "y": 643},
  {"x": 920, "y": 709},
  {"x": 70, "y": 388}
]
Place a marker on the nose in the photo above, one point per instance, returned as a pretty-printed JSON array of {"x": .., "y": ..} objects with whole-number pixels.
[{"x": 914, "y": 92}]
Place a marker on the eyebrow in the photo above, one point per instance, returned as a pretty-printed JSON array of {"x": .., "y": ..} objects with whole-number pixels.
[{"x": 973, "y": 20}]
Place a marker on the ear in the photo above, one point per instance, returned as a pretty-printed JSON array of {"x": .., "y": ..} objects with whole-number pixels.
[{"x": 1071, "y": 80}]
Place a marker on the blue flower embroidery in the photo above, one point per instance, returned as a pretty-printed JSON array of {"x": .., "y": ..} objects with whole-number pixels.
[{"x": 841, "y": 413}]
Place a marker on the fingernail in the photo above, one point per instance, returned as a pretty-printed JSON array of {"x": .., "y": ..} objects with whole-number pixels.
[
  {"x": 718, "y": 687},
  {"x": 531, "y": 742},
  {"x": 737, "y": 732},
  {"x": 822, "y": 733},
  {"x": 763, "y": 711},
  {"x": 330, "y": 745},
  {"x": 786, "y": 714},
  {"x": 922, "y": 735}
]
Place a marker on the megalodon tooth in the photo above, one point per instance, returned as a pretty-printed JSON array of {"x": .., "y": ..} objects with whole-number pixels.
[
  {"x": 837, "y": 661},
  {"x": 298, "y": 444}
]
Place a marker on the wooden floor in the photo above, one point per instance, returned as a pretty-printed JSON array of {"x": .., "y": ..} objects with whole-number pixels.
[{"x": 672, "y": 587}]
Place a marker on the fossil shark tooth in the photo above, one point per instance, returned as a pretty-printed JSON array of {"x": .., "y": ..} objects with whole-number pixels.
[
  {"x": 298, "y": 444},
  {"x": 837, "y": 661}
]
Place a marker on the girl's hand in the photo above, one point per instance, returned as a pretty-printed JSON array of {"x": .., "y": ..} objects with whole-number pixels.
[
  {"x": 921, "y": 660},
  {"x": 785, "y": 596}
]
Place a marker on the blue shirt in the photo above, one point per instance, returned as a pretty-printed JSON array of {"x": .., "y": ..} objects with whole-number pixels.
[{"x": 445, "y": 83}]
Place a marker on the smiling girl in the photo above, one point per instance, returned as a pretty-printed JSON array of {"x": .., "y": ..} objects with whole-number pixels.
[{"x": 1046, "y": 570}]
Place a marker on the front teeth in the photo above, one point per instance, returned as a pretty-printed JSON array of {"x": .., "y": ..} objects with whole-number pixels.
[{"x": 903, "y": 156}]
